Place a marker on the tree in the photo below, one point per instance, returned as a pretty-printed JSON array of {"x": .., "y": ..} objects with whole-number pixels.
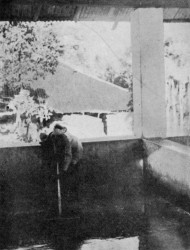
[
  {"x": 26, "y": 109},
  {"x": 177, "y": 62},
  {"x": 124, "y": 79},
  {"x": 30, "y": 51}
]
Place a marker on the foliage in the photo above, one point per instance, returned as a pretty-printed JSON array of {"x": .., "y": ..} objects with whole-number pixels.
[
  {"x": 172, "y": 53},
  {"x": 29, "y": 53},
  {"x": 27, "y": 109},
  {"x": 123, "y": 79}
]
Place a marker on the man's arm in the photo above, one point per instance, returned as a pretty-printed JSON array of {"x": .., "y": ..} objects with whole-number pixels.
[
  {"x": 77, "y": 151},
  {"x": 67, "y": 154}
]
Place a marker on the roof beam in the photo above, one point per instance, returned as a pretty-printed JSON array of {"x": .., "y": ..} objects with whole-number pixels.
[
  {"x": 132, "y": 3},
  {"x": 89, "y": 10},
  {"x": 119, "y": 3},
  {"x": 37, "y": 12}
]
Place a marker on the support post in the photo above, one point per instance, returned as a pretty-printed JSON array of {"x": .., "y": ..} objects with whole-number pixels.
[{"x": 149, "y": 100}]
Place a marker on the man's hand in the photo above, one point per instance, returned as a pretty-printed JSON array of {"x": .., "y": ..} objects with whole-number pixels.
[
  {"x": 43, "y": 137},
  {"x": 74, "y": 162},
  {"x": 65, "y": 168}
]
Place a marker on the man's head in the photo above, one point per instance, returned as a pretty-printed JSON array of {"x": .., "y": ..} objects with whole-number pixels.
[
  {"x": 43, "y": 136},
  {"x": 58, "y": 129}
]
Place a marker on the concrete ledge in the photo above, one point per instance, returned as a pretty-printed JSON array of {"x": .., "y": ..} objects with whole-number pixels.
[
  {"x": 185, "y": 140},
  {"x": 8, "y": 144},
  {"x": 167, "y": 170}
]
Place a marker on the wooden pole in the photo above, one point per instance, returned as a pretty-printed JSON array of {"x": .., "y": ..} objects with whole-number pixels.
[
  {"x": 59, "y": 190},
  {"x": 188, "y": 99},
  {"x": 181, "y": 93}
]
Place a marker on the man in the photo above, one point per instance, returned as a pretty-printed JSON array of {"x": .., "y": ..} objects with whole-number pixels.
[
  {"x": 57, "y": 156},
  {"x": 73, "y": 151},
  {"x": 70, "y": 178},
  {"x": 57, "y": 148},
  {"x": 67, "y": 152}
]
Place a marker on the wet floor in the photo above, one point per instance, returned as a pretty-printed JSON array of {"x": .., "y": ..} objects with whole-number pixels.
[{"x": 152, "y": 223}]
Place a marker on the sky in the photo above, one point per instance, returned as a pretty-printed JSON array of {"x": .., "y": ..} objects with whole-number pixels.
[
  {"x": 100, "y": 41},
  {"x": 91, "y": 47},
  {"x": 117, "y": 39},
  {"x": 99, "y": 45}
]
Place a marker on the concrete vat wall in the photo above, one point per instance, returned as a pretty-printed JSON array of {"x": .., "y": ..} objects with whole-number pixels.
[
  {"x": 167, "y": 170},
  {"x": 109, "y": 170},
  {"x": 185, "y": 140},
  {"x": 111, "y": 181}
]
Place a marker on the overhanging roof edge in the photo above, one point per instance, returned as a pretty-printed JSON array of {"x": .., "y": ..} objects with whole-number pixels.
[
  {"x": 114, "y": 3},
  {"x": 88, "y": 10}
]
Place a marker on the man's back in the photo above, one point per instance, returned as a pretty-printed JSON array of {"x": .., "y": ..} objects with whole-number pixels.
[{"x": 57, "y": 148}]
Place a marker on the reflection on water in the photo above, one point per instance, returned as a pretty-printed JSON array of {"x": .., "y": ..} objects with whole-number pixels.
[
  {"x": 97, "y": 244},
  {"x": 35, "y": 247},
  {"x": 159, "y": 225},
  {"x": 112, "y": 244}
]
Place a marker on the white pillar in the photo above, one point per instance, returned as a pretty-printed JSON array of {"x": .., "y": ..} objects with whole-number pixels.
[{"x": 149, "y": 101}]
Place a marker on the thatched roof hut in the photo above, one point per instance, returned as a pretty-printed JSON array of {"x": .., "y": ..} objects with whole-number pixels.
[{"x": 72, "y": 91}]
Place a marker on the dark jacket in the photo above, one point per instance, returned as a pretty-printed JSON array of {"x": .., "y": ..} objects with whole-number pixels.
[{"x": 57, "y": 148}]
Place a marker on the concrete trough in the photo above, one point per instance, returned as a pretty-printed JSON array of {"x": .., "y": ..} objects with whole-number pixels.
[{"x": 167, "y": 170}]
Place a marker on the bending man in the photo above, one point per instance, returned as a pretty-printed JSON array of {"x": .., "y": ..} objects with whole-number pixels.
[{"x": 68, "y": 156}]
